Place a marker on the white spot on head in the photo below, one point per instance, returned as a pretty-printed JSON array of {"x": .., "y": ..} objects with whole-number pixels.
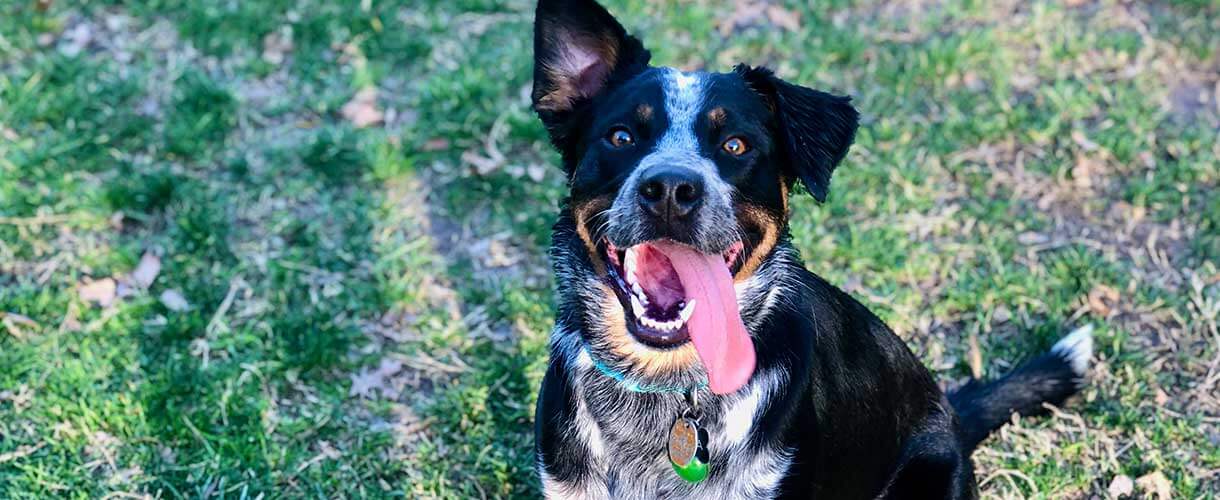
[
  {"x": 1076, "y": 349},
  {"x": 683, "y": 97}
]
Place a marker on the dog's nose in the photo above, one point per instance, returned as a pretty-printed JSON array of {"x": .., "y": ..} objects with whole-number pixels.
[{"x": 671, "y": 192}]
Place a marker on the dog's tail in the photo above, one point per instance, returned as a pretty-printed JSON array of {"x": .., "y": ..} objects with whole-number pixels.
[{"x": 983, "y": 407}]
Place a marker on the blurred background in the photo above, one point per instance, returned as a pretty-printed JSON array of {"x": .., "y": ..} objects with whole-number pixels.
[{"x": 297, "y": 248}]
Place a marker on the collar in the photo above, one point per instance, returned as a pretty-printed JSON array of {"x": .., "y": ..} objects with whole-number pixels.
[{"x": 637, "y": 386}]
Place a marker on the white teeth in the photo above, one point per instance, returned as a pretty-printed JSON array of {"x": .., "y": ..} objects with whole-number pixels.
[
  {"x": 664, "y": 326},
  {"x": 684, "y": 314},
  {"x": 639, "y": 292},
  {"x": 629, "y": 265},
  {"x": 638, "y": 308}
]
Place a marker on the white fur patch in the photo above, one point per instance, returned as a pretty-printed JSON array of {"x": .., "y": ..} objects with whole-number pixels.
[
  {"x": 740, "y": 416},
  {"x": 1077, "y": 349}
]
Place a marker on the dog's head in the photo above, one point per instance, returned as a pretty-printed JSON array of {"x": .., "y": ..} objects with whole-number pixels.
[{"x": 679, "y": 185}]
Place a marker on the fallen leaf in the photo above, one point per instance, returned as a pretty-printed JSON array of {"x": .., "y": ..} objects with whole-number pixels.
[
  {"x": 784, "y": 18},
  {"x": 366, "y": 383},
  {"x": 745, "y": 12},
  {"x": 71, "y": 321},
  {"x": 976, "y": 357},
  {"x": 1162, "y": 398},
  {"x": 1121, "y": 486},
  {"x": 362, "y": 109},
  {"x": 277, "y": 45},
  {"x": 16, "y": 323},
  {"x": 482, "y": 164},
  {"x": 1155, "y": 484},
  {"x": 174, "y": 301},
  {"x": 146, "y": 271},
  {"x": 1083, "y": 170},
  {"x": 101, "y": 292},
  {"x": 1083, "y": 141},
  {"x": 536, "y": 172},
  {"x": 1102, "y": 299},
  {"x": 437, "y": 144},
  {"x": 76, "y": 39}
]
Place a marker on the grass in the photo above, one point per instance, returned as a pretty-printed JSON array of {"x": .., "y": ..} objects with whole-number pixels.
[{"x": 368, "y": 311}]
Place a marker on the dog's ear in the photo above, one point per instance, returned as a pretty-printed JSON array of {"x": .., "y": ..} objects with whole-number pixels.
[
  {"x": 814, "y": 128},
  {"x": 579, "y": 50}
]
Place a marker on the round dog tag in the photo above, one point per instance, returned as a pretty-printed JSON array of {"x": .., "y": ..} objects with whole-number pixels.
[{"x": 688, "y": 450}]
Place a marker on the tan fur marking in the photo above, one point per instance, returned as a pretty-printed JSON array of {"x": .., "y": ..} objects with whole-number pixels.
[
  {"x": 643, "y": 113},
  {"x": 583, "y": 213},
  {"x": 717, "y": 116},
  {"x": 645, "y": 360},
  {"x": 783, "y": 194},
  {"x": 770, "y": 228}
]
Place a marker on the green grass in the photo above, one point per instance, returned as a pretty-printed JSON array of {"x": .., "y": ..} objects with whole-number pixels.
[{"x": 1012, "y": 161}]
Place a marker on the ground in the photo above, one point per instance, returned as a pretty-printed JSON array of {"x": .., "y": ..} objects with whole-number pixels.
[{"x": 297, "y": 248}]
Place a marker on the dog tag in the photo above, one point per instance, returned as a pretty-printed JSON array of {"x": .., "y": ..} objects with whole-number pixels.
[{"x": 688, "y": 450}]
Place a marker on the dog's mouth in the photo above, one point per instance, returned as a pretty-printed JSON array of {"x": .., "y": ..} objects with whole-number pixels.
[
  {"x": 672, "y": 293},
  {"x": 650, "y": 290}
]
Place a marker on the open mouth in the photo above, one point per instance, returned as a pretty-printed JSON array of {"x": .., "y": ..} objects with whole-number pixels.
[{"x": 652, "y": 291}]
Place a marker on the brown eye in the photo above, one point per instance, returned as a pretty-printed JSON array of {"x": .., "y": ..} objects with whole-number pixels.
[
  {"x": 735, "y": 146},
  {"x": 620, "y": 137}
]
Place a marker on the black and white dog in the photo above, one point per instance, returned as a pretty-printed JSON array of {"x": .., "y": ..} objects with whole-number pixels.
[{"x": 693, "y": 355}]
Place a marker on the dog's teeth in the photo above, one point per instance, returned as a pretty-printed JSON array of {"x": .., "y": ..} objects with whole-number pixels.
[
  {"x": 637, "y": 307},
  {"x": 629, "y": 265},
  {"x": 684, "y": 314},
  {"x": 639, "y": 292}
]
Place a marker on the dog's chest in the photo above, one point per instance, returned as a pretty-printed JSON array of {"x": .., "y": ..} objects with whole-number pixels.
[{"x": 622, "y": 438}]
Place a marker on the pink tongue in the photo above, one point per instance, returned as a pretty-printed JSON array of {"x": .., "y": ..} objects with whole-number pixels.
[{"x": 720, "y": 337}]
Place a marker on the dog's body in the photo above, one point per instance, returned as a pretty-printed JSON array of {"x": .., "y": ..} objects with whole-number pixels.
[{"x": 805, "y": 393}]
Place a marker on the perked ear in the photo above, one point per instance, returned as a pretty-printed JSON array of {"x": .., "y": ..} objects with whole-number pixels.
[
  {"x": 578, "y": 50},
  {"x": 814, "y": 128}
]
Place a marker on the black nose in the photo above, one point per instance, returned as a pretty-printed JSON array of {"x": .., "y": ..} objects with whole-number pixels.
[{"x": 671, "y": 193}]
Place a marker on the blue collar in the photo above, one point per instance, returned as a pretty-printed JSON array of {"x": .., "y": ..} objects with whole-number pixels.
[{"x": 636, "y": 386}]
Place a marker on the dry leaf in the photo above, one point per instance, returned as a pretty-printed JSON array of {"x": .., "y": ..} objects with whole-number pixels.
[
  {"x": 1161, "y": 397},
  {"x": 482, "y": 164},
  {"x": 437, "y": 144},
  {"x": 76, "y": 39},
  {"x": 366, "y": 383},
  {"x": 146, "y": 271},
  {"x": 1155, "y": 484},
  {"x": 1102, "y": 299},
  {"x": 1121, "y": 486},
  {"x": 744, "y": 13},
  {"x": 174, "y": 301},
  {"x": 71, "y": 321},
  {"x": 362, "y": 109},
  {"x": 16, "y": 323},
  {"x": 277, "y": 45},
  {"x": 101, "y": 292},
  {"x": 784, "y": 18},
  {"x": 1083, "y": 170},
  {"x": 536, "y": 172},
  {"x": 1083, "y": 141}
]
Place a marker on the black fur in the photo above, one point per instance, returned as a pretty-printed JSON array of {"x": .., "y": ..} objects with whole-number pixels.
[{"x": 845, "y": 409}]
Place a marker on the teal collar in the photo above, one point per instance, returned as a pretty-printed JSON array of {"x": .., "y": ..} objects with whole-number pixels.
[{"x": 636, "y": 386}]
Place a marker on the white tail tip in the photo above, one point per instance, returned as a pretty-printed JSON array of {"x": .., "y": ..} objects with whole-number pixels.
[{"x": 1077, "y": 349}]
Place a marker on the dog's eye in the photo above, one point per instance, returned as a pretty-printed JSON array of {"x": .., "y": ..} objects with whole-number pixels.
[
  {"x": 619, "y": 137},
  {"x": 735, "y": 146}
]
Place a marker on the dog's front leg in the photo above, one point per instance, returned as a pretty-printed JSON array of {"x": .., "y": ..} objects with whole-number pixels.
[{"x": 568, "y": 446}]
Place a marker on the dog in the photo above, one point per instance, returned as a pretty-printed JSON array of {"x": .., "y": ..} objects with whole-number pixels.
[{"x": 693, "y": 355}]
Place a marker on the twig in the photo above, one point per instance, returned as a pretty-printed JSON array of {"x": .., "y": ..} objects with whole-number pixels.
[{"x": 21, "y": 452}]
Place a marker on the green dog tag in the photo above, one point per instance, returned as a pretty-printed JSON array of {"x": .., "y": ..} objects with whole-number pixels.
[{"x": 688, "y": 450}]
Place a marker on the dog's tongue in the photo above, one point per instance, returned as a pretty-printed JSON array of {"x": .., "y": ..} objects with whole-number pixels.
[{"x": 716, "y": 328}]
